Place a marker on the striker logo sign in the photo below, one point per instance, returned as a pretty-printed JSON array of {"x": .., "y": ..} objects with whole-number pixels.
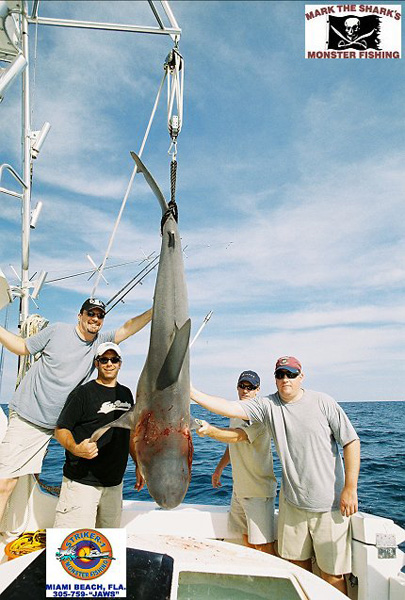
[
  {"x": 353, "y": 31},
  {"x": 85, "y": 553},
  {"x": 86, "y": 563}
]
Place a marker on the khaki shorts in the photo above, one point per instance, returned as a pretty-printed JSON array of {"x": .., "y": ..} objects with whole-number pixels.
[
  {"x": 23, "y": 447},
  {"x": 254, "y": 517},
  {"x": 303, "y": 534},
  {"x": 82, "y": 506}
]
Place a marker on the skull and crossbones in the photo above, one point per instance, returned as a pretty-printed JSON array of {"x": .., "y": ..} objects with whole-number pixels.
[
  {"x": 352, "y": 38},
  {"x": 352, "y": 26}
]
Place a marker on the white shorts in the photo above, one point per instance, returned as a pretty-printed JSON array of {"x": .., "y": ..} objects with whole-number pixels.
[
  {"x": 82, "y": 506},
  {"x": 23, "y": 447},
  {"x": 254, "y": 517},
  {"x": 325, "y": 535}
]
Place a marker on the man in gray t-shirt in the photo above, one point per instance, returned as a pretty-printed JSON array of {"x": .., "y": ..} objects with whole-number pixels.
[
  {"x": 66, "y": 361},
  {"x": 318, "y": 495}
]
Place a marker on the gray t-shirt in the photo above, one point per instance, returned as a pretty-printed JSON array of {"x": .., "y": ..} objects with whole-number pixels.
[
  {"x": 252, "y": 462},
  {"x": 306, "y": 434},
  {"x": 66, "y": 362}
]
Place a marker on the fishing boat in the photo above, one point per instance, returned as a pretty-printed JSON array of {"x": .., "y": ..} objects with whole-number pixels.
[{"x": 186, "y": 552}]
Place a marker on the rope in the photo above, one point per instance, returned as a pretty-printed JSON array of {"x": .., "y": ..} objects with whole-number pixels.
[
  {"x": 32, "y": 324},
  {"x": 27, "y": 542},
  {"x": 54, "y": 490}
]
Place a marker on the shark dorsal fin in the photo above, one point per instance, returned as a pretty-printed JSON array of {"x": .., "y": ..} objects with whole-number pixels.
[{"x": 170, "y": 371}]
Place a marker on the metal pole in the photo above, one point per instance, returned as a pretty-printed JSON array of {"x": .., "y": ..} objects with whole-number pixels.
[{"x": 26, "y": 161}]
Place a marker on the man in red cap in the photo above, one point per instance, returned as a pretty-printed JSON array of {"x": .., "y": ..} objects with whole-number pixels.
[{"x": 317, "y": 495}]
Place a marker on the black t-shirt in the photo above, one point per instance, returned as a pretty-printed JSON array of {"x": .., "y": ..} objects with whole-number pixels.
[{"x": 87, "y": 408}]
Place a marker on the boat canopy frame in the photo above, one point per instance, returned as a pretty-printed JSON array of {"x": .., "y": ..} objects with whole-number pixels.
[{"x": 14, "y": 51}]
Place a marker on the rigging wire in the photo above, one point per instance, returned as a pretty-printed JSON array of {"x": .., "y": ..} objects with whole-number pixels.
[
  {"x": 150, "y": 268},
  {"x": 174, "y": 71},
  {"x": 101, "y": 268}
]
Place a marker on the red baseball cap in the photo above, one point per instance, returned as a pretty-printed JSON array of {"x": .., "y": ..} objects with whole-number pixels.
[{"x": 288, "y": 363}]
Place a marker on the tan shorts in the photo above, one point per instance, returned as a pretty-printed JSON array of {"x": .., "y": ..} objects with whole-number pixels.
[
  {"x": 82, "y": 506},
  {"x": 23, "y": 447},
  {"x": 303, "y": 534},
  {"x": 254, "y": 517}
]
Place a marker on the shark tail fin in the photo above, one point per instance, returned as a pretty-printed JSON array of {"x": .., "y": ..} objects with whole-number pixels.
[
  {"x": 170, "y": 371},
  {"x": 151, "y": 182}
]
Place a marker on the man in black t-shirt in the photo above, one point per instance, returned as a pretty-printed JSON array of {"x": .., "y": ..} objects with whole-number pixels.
[{"x": 91, "y": 493}]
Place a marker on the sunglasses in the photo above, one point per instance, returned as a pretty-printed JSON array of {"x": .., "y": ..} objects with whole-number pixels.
[
  {"x": 247, "y": 386},
  {"x": 282, "y": 374},
  {"x": 99, "y": 315},
  {"x": 104, "y": 360}
]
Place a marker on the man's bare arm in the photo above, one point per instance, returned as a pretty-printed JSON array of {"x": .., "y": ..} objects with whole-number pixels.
[
  {"x": 132, "y": 326},
  {"x": 14, "y": 343},
  {"x": 222, "y": 434},
  {"x": 223, "y": 462},
  {"x": 218, "y": 405},
  {"x": 139, "y": 478},
  {"x": 86, "y": 448},
  {"x": 348, "y": 497}
]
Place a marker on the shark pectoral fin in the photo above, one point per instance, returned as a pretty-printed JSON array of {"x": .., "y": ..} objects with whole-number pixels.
[
  {"x": 126, "y": 421},
  {"x": 151, "y": 182},
  {"x": 96, "y": 435},
  {"x": 170, "y": 371}
]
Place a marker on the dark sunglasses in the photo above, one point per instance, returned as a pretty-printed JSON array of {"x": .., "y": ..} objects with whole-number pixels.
[
  {"x": 282, "y": 374},
  {"x": 104, "y": 360},
  {"x": 99, "y": 315},
  {"x": 247, "y": 386}
]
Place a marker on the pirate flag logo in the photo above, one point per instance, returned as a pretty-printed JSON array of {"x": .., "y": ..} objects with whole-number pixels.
[{"x": 359, "y": 33}]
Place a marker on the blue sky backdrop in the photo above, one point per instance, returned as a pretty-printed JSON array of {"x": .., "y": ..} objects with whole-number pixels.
[{"x": 290, "y": 191}]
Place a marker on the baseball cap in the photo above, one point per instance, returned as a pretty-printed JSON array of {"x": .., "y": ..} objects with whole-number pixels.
[
  {"x": 288, "y": 363},
  {"x": 102, "y": 348},
  {"x": 93, "y": 303},
  {"x": 251, "y": 377}
]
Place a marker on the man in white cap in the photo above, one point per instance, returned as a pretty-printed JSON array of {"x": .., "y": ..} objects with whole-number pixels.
[
  {"x": 317, "y": 496},
  {"x": 254, "y": 484},
  {"x": 91, "y": 493},
  {"x": 66, "y": 361}
]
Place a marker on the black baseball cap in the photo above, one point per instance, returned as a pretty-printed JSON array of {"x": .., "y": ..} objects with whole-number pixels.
[
  {"x": 93, "y": 303},
  {"x": 251, "y": 377}
]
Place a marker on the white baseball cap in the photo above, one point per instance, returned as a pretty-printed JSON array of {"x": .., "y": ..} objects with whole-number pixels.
[{"x": 108, "y": 346}]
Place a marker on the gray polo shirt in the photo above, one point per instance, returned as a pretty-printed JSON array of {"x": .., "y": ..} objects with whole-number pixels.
[
  {"x": 252, "y": 462},
  {"x": 66, "y": 362},
  {"x": 306, "y": 434}
]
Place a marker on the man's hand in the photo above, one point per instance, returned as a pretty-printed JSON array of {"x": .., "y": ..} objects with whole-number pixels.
[
  {"x": 140, "y": 481},
  {"x": 348, "y": 501},
  {"x": 86, "y": 449},
  {"x": 205, "y": 428},
  {"x": 216, "y": 479}
]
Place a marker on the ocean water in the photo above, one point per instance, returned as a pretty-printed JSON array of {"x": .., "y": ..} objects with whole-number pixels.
[{"x": 381, "y": 428}]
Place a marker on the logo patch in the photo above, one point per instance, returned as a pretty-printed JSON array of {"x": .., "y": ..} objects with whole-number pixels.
[
  {"x": 353, "y": 31},
  {"x": 86, "y": 563},
  {"x": 85, "y": 554}
]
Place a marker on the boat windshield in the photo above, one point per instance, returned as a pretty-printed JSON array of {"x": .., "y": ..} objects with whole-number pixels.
[{"x": 222, "y": 586}]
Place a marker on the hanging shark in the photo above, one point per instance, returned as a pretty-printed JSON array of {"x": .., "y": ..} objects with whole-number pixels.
[{"x": 160, "y": 419}]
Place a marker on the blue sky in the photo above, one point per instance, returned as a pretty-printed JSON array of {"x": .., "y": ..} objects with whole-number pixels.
[{"x": 290, "y": 191}]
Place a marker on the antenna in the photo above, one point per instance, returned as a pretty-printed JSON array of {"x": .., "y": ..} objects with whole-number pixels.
[{"x": 38, "y": 283}]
